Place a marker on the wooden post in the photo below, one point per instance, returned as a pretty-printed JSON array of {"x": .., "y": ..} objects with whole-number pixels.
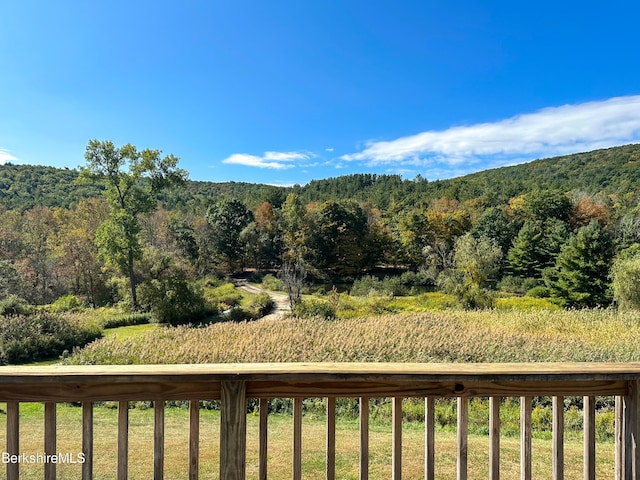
[
  {"x": 619, "y": 439},
  {"x": 87, "y": 440},
  {"x": 463, "y": 420},
  {"x": 525, "y": 438},
  {"x": 558, "y": 438},
  {"x": 297, "y": 439},
  {"x": 429, "y": 439},
  {"x": 589, "y": 410},
  {"x": 13, "y": 438},
  {"x": 331, "y": 438},
  {"x": 263, "y": 439},
  {"x": 396, "y": 444},
  {"x": 158, "y": 440},
  {"x": 123, "y": 440},
  {"x": 194, "y": 438},
  {"x": 364, "y": 438},
  {"x": 233, "y": 430},
  {"x": 631, "y": 451},
  {"x": 49, "y": 439},
  {"x": 494, "y": 438}
]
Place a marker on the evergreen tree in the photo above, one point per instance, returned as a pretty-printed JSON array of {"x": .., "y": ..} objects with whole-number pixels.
[{"x": 580, "y": 277}]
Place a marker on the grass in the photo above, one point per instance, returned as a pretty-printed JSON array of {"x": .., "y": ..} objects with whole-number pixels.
[
  {"x": 280, "y": 434},
  {"x": 122, "y": 333}
]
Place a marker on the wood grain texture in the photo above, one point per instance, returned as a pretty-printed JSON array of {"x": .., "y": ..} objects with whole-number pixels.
[
  {"x": 158, "y": 440},
  {"x": 87, "y": 440},
  {"x": 13, "y": 438},
  {"x": 364, "y": 438},
  {"x": 331, "y": 438},
  {"x": 557, "y": 461},
  {"x": 462, "y": 437},
  {"x": 494, "y": 438},
  {"x": 589, "y": 463},
  {"x": 429, "y": 438},
  {"x": 233, "y": 431},
  {"x": 263, "y": 439},
  {"x": 619, "y": 438},
  {"x": 525, "y": 438},
  {"x": 297, "y": 439},
  {"x": 50, "y": 439}
]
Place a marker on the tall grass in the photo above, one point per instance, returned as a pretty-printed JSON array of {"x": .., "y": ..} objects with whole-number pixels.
[{"x": 455, "y": 336}]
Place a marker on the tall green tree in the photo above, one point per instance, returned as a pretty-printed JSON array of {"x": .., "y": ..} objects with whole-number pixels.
[
  {"x": 580, "y": 277},
  {"x": 132, "y": 180},
  {"x": 227, "y": 219}
]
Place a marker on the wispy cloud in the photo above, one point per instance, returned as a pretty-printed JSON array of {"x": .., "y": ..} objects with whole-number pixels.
[
  {"x": 548, "y": 132},
  {"x": 6, "y": 157},
  {"x": 275, "y": 160}
]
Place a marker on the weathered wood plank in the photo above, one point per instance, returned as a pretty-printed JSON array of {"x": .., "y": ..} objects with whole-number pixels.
[
  {"x": 13, "y": 438},
  {"x": 50, "y": 439},
  {"x": 557, "y": 460},
  {"x": 158, "y": 440},
  {"x": 631, "y": 403},
  {"x": 263, "y": 439},
  {"x": 364, "y": 438},
  {"x": 297, "y": 439},
  {"x": 525, "y": 438},
  {"x": 429, "y": 438},
  {"x": 462, "y": 437},
  {"x": 396, "y": 443},
  {"x": 194, "y": 439},
  {"x": 331, "y": 438},
  {"x": 87, "y": 440},
  {"x": 589, "y": 463},
  {"x": 494, "y": 438},
  {"x": 123, "y": 440},
  {"x": 619, "y": 438},
  {"x": 233, "y": 431}
]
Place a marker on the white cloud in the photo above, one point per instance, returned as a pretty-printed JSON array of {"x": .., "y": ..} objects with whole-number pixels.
[
  {"x": 275, "y": 160},
  {"x": 6, "y": 157},
  {"x": 548, "y": 132},
  {"x": 328, "y": 150}
]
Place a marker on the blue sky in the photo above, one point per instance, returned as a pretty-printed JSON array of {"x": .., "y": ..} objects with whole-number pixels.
[{"x": 283, "y": 92}]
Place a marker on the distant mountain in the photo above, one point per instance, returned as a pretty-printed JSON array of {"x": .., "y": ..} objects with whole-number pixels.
[{"x": 611, "y": 171}]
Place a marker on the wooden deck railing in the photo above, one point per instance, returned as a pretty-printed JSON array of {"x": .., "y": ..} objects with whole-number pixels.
[{"x": 234, "y": 383}]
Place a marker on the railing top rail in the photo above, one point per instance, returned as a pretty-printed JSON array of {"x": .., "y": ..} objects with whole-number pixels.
[{"x": 347, "y": 371}]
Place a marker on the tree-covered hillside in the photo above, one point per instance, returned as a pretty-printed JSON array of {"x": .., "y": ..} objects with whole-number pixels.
[{"x": 609, "y": 171}]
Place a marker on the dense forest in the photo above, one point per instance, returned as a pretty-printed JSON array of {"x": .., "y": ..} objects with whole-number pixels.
[{"x": 550, "y": 228}]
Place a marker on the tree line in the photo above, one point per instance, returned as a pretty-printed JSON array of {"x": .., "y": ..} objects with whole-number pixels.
[{"x": 129, "y": 245}]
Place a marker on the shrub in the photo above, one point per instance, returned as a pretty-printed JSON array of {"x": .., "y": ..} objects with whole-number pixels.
[
  {"x": 517, "y": 285},
  {"x": 369, "y": 285},
  {"x": 29, "y": 338},
  {"x": 126, "y": 320},
  {"x": 269, "y": 282},
  {"x": 314, "y": 307},
  {"x": 66, "y": 303},
  {"x": 14, "y": 305},
  {"x": 260, "y": 305},
  {"x": 539, "y": 292},
  {"x": 223, "y": 297}
]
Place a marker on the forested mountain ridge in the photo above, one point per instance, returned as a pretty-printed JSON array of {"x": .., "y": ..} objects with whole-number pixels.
[{"x": 614, "y": 170}]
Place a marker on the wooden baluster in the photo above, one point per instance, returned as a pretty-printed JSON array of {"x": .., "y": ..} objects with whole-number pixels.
[
  {"x": 233, "y": 430},
  {"x": 194, "y": 438},
  {"x": 558, "y": 438},
  {"x": 631, "y": 417},
  {"x": 589, "y": 408},
  {"x": 494, "y": 438},
  {"x": 13, "y": 438},
  {"x": 87, "y": 440},
  {"x": 158, "y": 440},
  {"x": 49, "y": 439},
  {"x": 297, "y": 439},
  {"x": 123, "y": 440},
  {"x": 525, "y": 438},
  {"x": 263, "y": 439},
  {"x": 619, "y": 439},
  {"x": 396, "y": 433},
  {"x": 429, "y": 439},
  {"x": 331, "y": 438},
  {"x": 463, "y": 420},
  {"x": 364, "y": 438}
]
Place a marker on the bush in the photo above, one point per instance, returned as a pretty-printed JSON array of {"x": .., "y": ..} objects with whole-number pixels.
[
  {"x": 260, "y": 305},
  {"x": 314, "y": 307},
  {"x": 417, "y": 279},
  {"x": 517, "y": 285},
  {"x": 269, "y": 282},
  {"x": 223, "y": 297},
  {"x": 539, "y": 292},
  {"x": 14, "y": 305},
  {"x": 67, "y": 303},
  {"x": 126, "y": 320},
  {"x": 369, "y": 285},
  {"x": 29, "y": 338}
]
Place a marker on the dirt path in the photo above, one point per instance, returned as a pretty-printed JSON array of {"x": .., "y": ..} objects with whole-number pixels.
[{"x": 281, "y": 300}]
